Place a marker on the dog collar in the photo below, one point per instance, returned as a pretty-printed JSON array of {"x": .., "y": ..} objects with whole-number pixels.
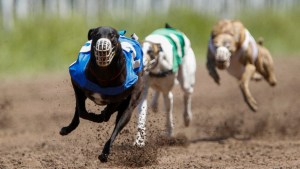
[{"x": 161, "y": 74}]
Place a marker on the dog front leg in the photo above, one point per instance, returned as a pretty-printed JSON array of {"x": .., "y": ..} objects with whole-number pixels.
[
  {"x": 72, "y": 126},
  {"x": 244, "y": 86},
  {"x": 210, "y": 65},
  {"x": 108, "y": 111},
  {"x": 123, "y": 117},
  {"x": 168, "y": 100},
  {"x": 124, "y": 114},
  {"x": 80, "y": 101},
  {"x": 142, "y": 115}
]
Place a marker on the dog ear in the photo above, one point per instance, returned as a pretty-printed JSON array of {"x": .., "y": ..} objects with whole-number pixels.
[
  {"x": 157, "y": 48},
  {"x": 117, "y": 35},
  {"x": 91, "y": 33}
]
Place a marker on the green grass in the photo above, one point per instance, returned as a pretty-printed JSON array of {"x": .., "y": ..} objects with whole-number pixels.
[
  {"x": 39, "y": 44},
  {"x": 43, "y": 44},
  {"x": 279, "y": 30}
]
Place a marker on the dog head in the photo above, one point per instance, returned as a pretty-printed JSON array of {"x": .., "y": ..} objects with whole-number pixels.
[
  {"x": 224, "y": 46},
  {"x": 151, "y": 54},
  {"x": 105, "y": 45},
  {"x": 225, "y": 41}
]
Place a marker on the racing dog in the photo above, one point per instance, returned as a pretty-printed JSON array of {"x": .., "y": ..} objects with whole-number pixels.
[
  {"x": 233, "y": 48},
  {"x": 109, "y": 72},
  {"x": 172, "y": 58}
]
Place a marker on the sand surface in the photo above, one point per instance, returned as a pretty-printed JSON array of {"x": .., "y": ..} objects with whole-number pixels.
[{"x": 224, "y": 132}]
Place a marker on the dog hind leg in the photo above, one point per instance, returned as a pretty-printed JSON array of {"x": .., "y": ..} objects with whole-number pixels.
[
  {"x": 265, "y": 66},
  {"x": 187, "y": 109},
  {"x": 269, "y": 69},
  {"x": 186, "y": 78},
  {"x": 187, "y": 88},
  {"x": 154, "y": 103}
]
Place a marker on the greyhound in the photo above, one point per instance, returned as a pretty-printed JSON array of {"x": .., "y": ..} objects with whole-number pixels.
[{"x": 108, "y": 71}]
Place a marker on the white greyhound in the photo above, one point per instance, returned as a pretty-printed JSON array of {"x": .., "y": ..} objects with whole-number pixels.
[{"x": 169, "y": 57}]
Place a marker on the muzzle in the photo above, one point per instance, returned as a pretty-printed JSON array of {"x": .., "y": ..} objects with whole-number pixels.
[
  {"x": 223, "y": 57},
  {"x": 104, "y": 52}
]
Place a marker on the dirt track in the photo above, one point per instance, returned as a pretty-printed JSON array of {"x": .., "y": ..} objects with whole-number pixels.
[{"x": 224, "y": 132}]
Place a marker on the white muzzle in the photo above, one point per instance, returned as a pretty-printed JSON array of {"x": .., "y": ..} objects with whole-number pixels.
[
  {"x": 223, "y": 56},
  {"x": 104, "y": 52}
]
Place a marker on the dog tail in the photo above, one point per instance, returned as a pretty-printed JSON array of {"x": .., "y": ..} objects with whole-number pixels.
[
  {"x": 260, "y": 41},
  {"x": 168, "y": 26}
]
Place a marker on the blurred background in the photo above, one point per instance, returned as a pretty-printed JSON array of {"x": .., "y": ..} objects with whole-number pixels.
[{"x": 40, "y": 36}]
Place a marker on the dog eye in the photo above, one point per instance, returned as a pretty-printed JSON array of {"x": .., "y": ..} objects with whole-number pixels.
[
  {"x": 114, "y": 40},
  {"x": 216, "y": 45},
  {"x": 112, "y": 36}
]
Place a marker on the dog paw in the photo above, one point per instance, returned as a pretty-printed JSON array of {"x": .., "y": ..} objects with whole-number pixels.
[
  {"x": 217, "y": 81},
  {"x": 154, "y": 107},
  {"x": 254, "y": 108},
  {"x": 140, "y": 138},
  {"x": 253, "y": 105},
  {"x": 139, "y": 143},
  {"x": 103, "y": 157},
  {"x": 64, "y": 131},
  {"x": 257, "y": 77},
  {"x": 187, "y": 121}
]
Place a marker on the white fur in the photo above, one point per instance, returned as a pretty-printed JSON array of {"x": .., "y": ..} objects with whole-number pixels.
[
  {"x": 236, "y": 69},
  {"x": 185, "y": 76},
  {"x": 96, "y": 97},
  {"x": 223, "y": 54},
  {"x": 249, "y": 40}
]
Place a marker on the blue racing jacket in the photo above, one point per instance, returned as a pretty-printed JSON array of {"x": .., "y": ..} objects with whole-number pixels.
[{"x": 134, "y": 63}]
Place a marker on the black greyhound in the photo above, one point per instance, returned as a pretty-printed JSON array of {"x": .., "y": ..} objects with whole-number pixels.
[{"x": 105, "y": 73}]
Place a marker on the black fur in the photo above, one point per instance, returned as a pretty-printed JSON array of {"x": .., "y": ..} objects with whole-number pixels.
[
  {"x": 112, "y": 75},
  {"x": 168, "y": 26}
]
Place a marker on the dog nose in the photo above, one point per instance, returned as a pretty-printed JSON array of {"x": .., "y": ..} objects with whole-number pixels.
[
  {"x": 223, "y": 54},
  {"x": 104, "y": 52}
]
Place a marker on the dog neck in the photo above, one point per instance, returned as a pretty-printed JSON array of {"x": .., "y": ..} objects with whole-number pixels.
[
  {"x": 110, "y": 76},
  {"x": 248, "y": 40}
]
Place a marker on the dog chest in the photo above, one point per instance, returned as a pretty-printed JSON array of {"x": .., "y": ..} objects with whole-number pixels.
[
  {"x": 164, "y": 84},
  {"x": 236, "y": 69}
]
